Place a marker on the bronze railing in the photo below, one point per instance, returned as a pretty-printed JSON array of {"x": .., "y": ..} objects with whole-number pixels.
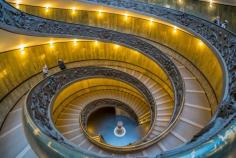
[{"x": 16, "y": 21}]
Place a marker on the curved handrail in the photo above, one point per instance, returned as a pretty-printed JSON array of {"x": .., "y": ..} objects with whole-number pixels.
[
  {"x": 87, "y": 32},
  {"x": 221, "y": 40},
  {"x": 140, "y": 144},
  {"x": 66, "y": 150},
  {"x": 93, "y": 71},
  {"x": 188, "y": 11},
  {"x": 12, "y": 18},
  {"x": 72, "y": 77},
  {"x": 132, "y": 147},
  {"x": 108, "y": 146}
]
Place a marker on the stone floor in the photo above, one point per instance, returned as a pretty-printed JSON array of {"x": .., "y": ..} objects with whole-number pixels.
[{"x": 105, "y": 123}]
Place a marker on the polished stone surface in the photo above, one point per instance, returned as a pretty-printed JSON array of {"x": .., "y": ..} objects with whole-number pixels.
[
  {"x": 107, "y": 128},
  {"x": 120, "y": 130},
  {"x": 107, "y": 122}
]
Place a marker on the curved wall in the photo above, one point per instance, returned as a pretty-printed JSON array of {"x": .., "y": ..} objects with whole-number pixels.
[
  {"x": 16, "y": 67},
  {"x": 186, "y": 44},
  {"x": 88, "y": 85},
  {"x": 102, "y": 88},
  {"x": 19, "y": 67},
  {"x": 200, "y": 44}
]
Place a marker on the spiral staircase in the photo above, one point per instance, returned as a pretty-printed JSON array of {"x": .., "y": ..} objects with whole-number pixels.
[{"x": 170, "y": 73}]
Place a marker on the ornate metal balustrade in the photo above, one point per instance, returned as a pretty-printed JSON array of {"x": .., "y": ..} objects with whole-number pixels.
[
  {"x": 42, "y": 94},
  {"x": 40, "y": 97},
  {"x": 223, "y": 41},
  {"x": 15, "y": 21}
]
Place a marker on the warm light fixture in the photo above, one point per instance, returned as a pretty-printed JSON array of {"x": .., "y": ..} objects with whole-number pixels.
[
  {"x": 22, "y": 49},
  {"x": 75, "y": 42},
  {"x": 126, "y": 17},
  {"x": 96, "y": 43},
  {"x": 116, "y": 46},
  {"x": 47, "y": 6},
  {"x": 73, "y": 10},
  {"x": 51, "y": 43},
  {"x": 180, "y": 1},
  {"x": 151, "y": 22},
  {"x": 210, "y": 3},
  {"x": 175, "y": 29},
  {"x": 99, "y": 13},
  {"x": 200, "y": 43},
  {"x": 18, "y": 4}
]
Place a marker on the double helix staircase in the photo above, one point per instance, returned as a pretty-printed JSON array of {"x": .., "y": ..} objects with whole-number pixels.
[{"x": 196, "y": 113}]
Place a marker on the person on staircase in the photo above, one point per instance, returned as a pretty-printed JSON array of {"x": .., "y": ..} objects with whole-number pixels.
[
  {"x": 61, "y": 64},
  {"x": 45, "y": 71},
  {"x": 217, "y": 21},
  {"x": 225, "y": 24}
]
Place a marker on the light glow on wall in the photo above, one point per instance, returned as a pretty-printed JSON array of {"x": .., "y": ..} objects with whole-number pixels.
[
  {"x": 47, "y": 6},
  {"x": 51, "y": 43},
  {"x": 211, "y": 3},
  {"x": 73, "y": 11},
  {"x": 96, "y": 43},
  {"x": 180, "y": 2},
  {"x": 116, "y": 46},
  {"x": 175, "y": 29},
  {"x": 126, "y": 16},
  {"x": 3, "y": 73},
  {"x": 200, "y": 43},
  {"x": 22, "y": 49},
  {"x": 75, "y": 42},
  {"x": 151, "y": 22},
  {"x": 18, "y": 4},
  {"x": 99, "y": 13}
]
